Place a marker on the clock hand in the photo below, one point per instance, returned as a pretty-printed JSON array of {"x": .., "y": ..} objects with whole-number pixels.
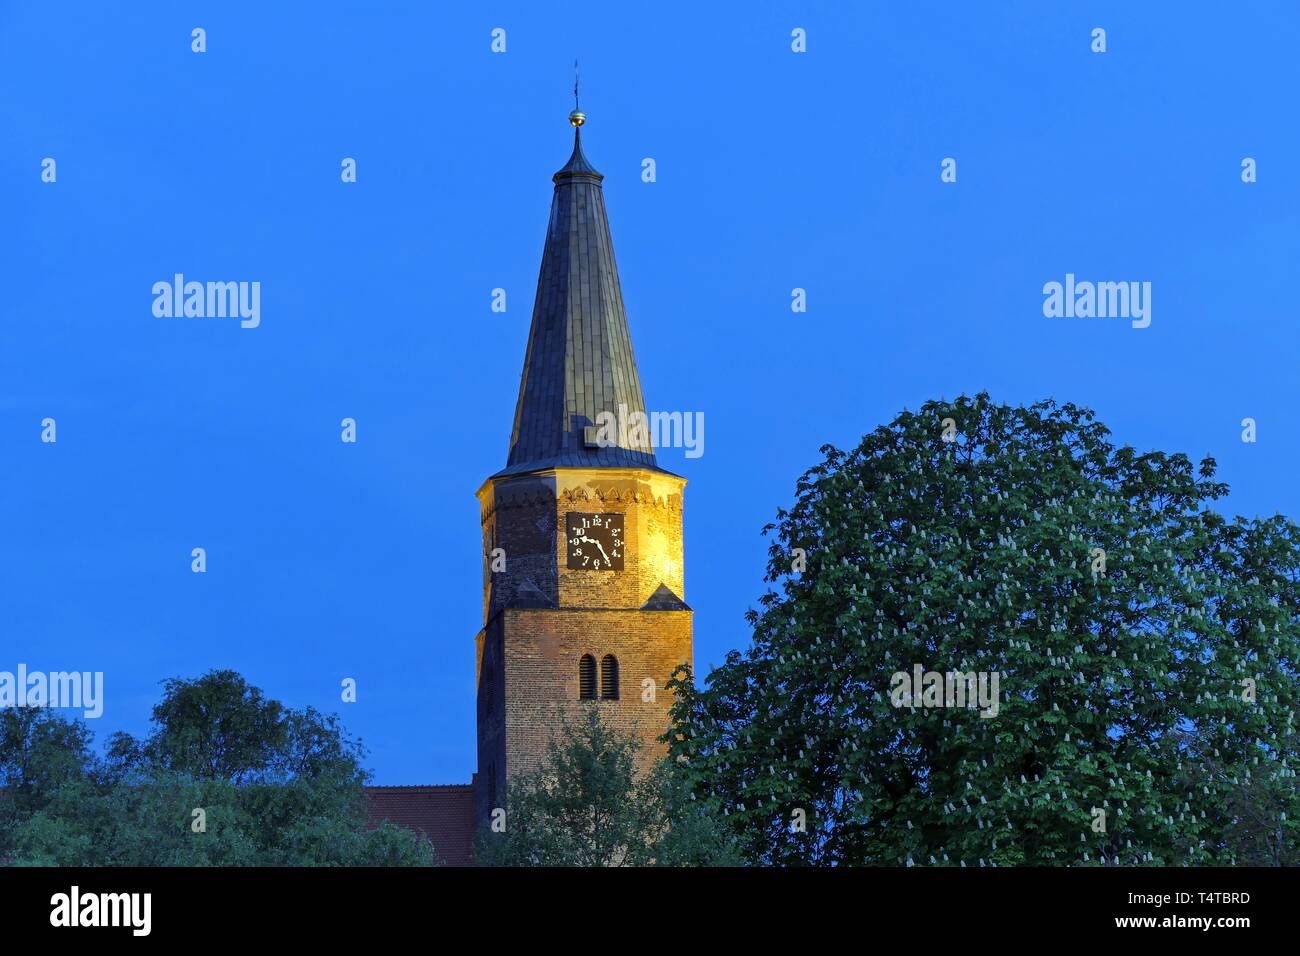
[{"x": 602, "y": 551}]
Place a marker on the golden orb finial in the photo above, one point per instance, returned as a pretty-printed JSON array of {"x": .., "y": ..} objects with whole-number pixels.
[{"x": 577, "y": 118}]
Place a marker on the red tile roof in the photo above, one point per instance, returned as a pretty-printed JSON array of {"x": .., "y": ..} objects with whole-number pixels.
[{"x": 444, "y": 813}]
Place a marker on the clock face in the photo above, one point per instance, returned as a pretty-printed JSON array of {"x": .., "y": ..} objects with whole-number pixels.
[{"x": 595, "y": 541}]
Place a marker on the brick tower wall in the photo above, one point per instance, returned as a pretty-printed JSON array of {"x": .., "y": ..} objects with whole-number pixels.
[
  {"x": 527, "y": 657},
  {"x": 542, "y": 648}
]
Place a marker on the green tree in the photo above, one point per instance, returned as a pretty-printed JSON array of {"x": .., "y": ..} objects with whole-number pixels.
[
  {"x": 1146, "y": 647},
  {"x": 226, "y": 778},
  {"x": 40, "y": 753},
  {"x": 1261, "y": 827},
  {"x": 589, "y": 805}
]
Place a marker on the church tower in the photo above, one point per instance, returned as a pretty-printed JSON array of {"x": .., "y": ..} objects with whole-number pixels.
[{"x": 583, "y": 582}]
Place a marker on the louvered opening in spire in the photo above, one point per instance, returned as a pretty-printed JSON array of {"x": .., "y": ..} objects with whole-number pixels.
[
  {"x": 579, "y": 372},
  {"x": 587, "y": 677}
]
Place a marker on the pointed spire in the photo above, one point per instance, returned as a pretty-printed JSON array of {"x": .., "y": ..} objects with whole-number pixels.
[
  {"x": 578, "y": 164},
  {"x": 579, "y": 362}
]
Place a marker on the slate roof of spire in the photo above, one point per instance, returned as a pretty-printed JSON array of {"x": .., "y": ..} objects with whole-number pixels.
[{"x": 579, "y": 361}]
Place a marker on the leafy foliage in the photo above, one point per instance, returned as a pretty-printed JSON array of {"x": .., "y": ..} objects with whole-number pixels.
[
  {"x": 588, "y": 805},
  {"x": 277, "y": 787},
  {"x": 1124, "y": 689},
  {"x": 40, "y": 753}
]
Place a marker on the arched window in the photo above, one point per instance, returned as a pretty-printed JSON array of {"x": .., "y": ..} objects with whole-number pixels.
[
  {"x": 587, "y": 677},
  {"x": 609, "y": 677}
]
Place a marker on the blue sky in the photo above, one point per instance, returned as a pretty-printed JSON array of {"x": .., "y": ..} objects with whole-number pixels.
[{"x": 775, "y": 170}]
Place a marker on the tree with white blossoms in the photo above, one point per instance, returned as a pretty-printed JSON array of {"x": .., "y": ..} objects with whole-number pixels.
[{"x": 1146, "y": 648}]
